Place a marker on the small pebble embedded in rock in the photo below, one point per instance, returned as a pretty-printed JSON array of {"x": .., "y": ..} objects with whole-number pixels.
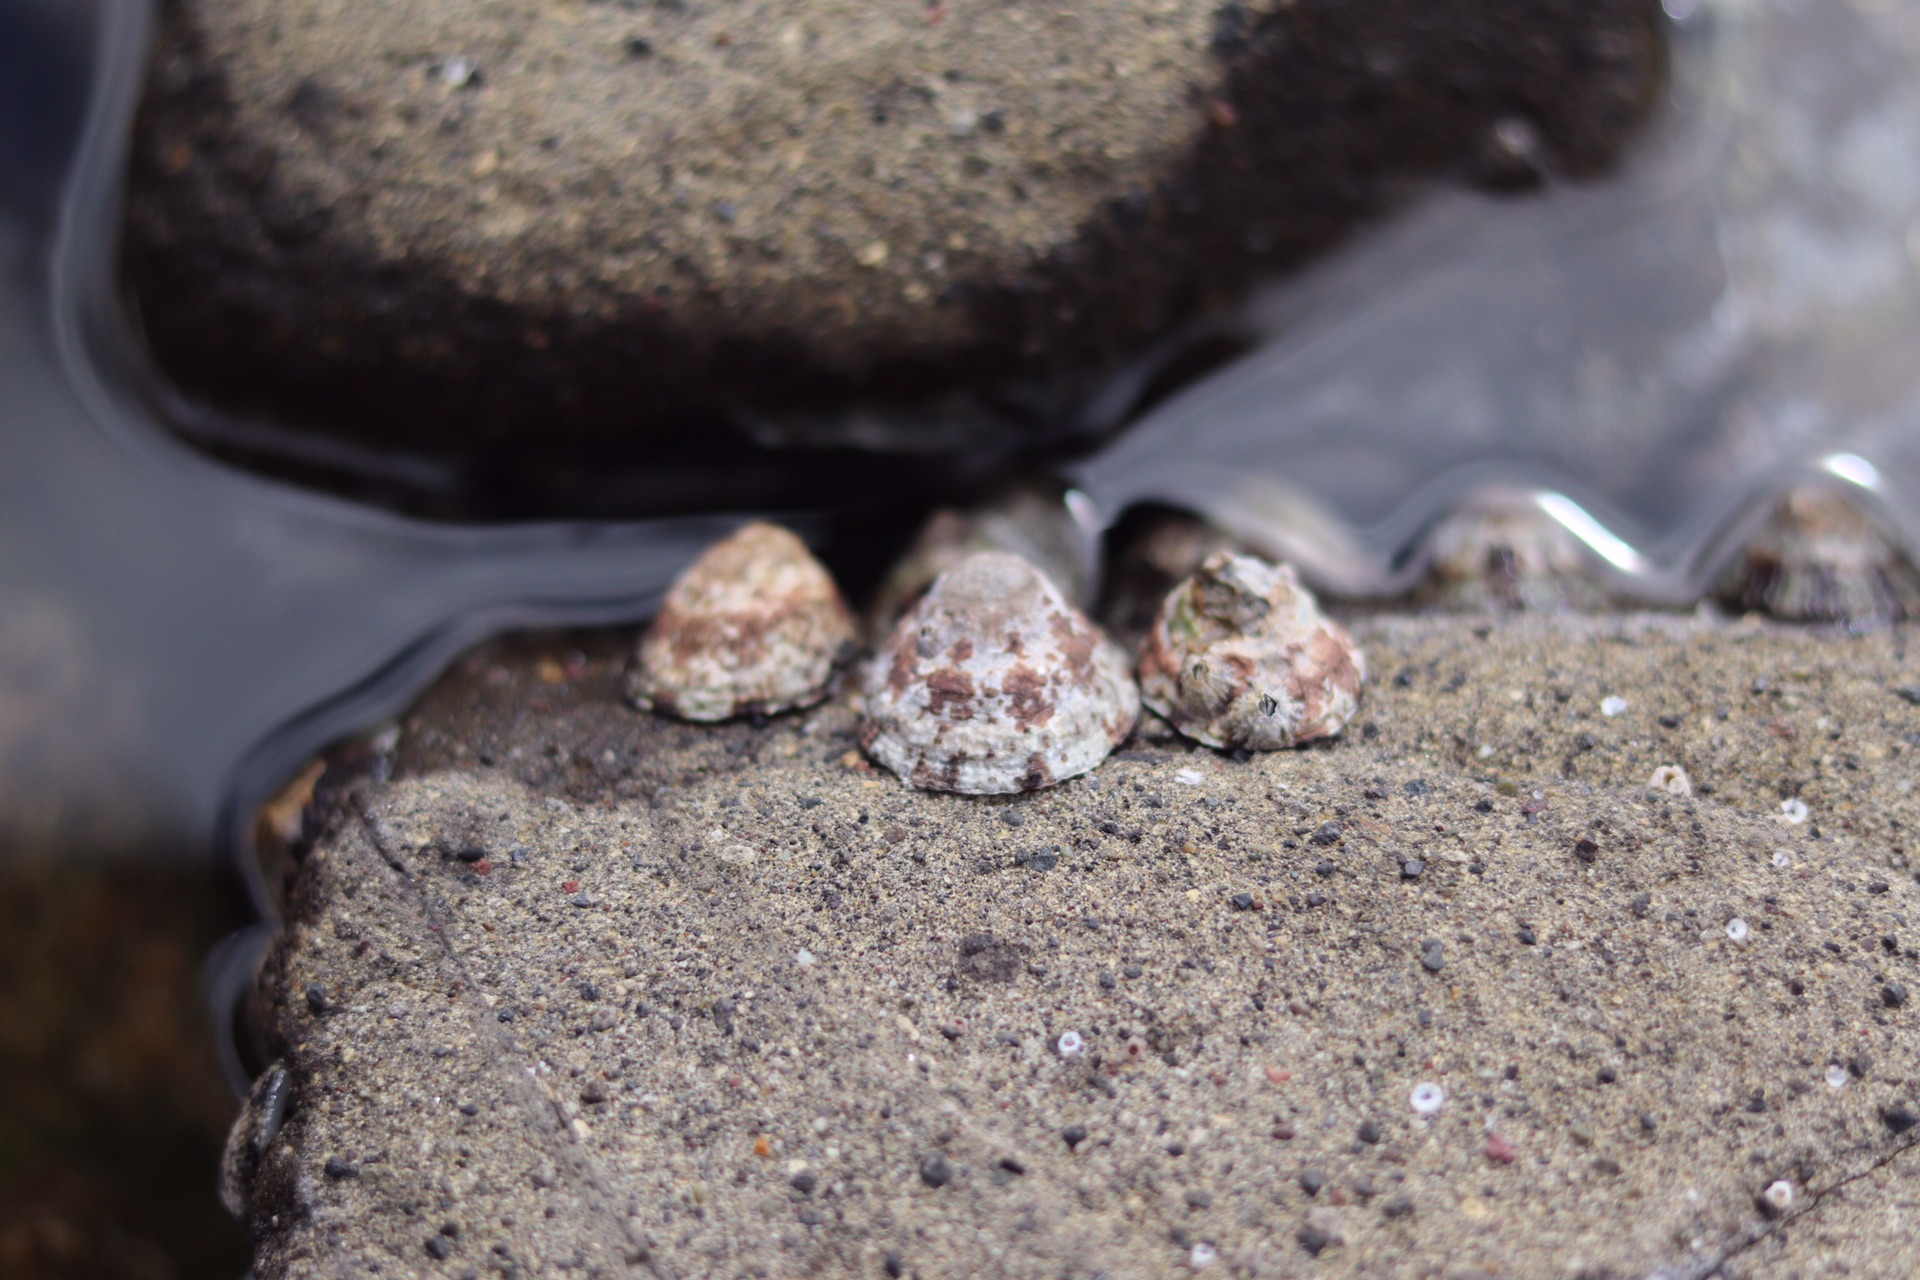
[
  {"x": 1433, "y": 955},
  {"x": 935, "y": 1171},
  {"x": 1893, "y": 995}
]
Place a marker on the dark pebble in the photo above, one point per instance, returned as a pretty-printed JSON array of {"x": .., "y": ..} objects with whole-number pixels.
[
  {"x": 338, "y": 1168},
  {"x": 1318, "y": 899},
  {"x": 1648, "y": 1123},
  {"x": 472, "y": 853},
  {"x": 438, "y": 1249},
  {"x": 1329, "y": 833},
  {"x": 593, "y": 1091},
  {"x": 1433, "y": 954},
  {"x": 804, "y": 1182},
  {"x": 811, "y": 1217},
  {"x": 1199, "y": 1200},
  {"x": 1074, "y": 1135},
  {"x": 1133, "y": 971},
  {"x": 1107, "y": 980},
  {"x": 316, "y": 998},
  {"x": 1370, "y": 1132},
  {"x": 1013, "y": 817},
  {"x": 1585, "y": 849},
  {"x": 1313, "y": 1240},
  {"x": 895, "y": 1265},
  {"x": 505, "y": 1015},
  {"x": 1412, "y": 868},
  {"x": 469, "y": 1109},
  {"x": 1312, "y": 1180},
  {"x": 935, "y": 1171},
  {"x": 589, "y": 992},
  {"x": 1898, "y": 1119},
  {"x": 1418, "y": 787},
  {"x": 1325, "y": 867},
  {"x": 1483, "y": 806},
  {"x": 1242, "y": 901},
  {"x": 1400, "y": 1206},
  {"x": 1176, "y": 1149},
  {"x": 1608, "y": 1075},
  {"x": 1893, "y": 995},
  {"x": 1283, "y": 1131},
  {"x": 1526, "y": 935},
  {"x": 1014, "y": 1167},
  {"x": 1860, "y": 1065}
]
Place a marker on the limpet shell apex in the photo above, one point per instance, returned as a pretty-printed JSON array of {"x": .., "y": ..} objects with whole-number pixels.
[
  {"x": 754, "y": 626},
  {"x": 1241, "y": 656},
  {"x": 992, "y": 683}
]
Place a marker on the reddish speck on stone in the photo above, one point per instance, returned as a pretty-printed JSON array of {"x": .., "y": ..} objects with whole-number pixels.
[
  {"x": 569, "y": 886},
  {"x": 1276, "y": 1076},
  {"x": 1499, "y": 1150},
  {"x": 1218, "y": 1077},
  {"x": 483, "y": 867}
]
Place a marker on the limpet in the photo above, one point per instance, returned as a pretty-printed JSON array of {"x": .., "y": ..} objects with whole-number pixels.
[
  {"x": 993, "y": 683},
  {"x": 1241, "y": 656},
  {"x": 752, "y": 627},
  {"x": 1820, "y": 557}
]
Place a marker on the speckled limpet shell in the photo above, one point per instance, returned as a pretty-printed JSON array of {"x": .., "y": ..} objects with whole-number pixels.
[
  {"x": 993, "y": 683},
  {"x": 1820, "y": 557},
  {"x": 754, "y": 626},
  {"x": 1240, "y": 656}
]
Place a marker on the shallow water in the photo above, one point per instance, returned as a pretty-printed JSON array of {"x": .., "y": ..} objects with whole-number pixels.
[{"x": 1648, "y": 358}]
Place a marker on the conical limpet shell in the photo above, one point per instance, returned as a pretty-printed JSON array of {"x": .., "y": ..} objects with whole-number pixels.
[
  {"x": 993, "y": 683},
  {"x": 1240, "y": 656},
  {"x": 1821, "y": 557},
  {"x": 754, "y": 626}
]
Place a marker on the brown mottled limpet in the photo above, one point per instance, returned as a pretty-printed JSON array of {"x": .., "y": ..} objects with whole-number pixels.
[
  {"x": 754, "y": 626},
  {"x": 1241, "y": 656},
  {"x": 1821, "y": 557},
  {"x": 993, "y": 683}
]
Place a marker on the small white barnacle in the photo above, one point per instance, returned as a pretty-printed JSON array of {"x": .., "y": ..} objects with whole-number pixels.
[
  {"x": 992, "y": 683},
  {"x": 752, "y": 627},
  {"x": 1241, "y": 656}
]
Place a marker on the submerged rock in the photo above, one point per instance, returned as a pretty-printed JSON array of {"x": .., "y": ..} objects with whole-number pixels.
[
  {"x": 994, "y": 683},
  {"x": 1241, "y": 656},
  {"x": 754, "y": 626},
  {"x": 439, "y": 221}
]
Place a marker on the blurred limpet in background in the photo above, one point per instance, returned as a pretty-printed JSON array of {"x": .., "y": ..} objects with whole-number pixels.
[
  {"x": 753, "y": 627},
  {"x": 1820, "y": 557}
]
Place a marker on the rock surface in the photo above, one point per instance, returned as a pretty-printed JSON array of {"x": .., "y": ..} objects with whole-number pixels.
[
  {"x": 580, "y": 986},
  {"x": 441, "y": 222}
]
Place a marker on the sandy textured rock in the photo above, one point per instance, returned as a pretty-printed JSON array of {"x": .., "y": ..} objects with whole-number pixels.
[
  {"x": 582, "y": 983},
  {"x": 442, "y": 221}
]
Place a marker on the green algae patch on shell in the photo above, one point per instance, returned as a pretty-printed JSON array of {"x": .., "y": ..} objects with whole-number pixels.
[
  {"x": 993, "y": 683},
  {"x": 753, "y": 627},
  {"x": 1241, "y": 656}
]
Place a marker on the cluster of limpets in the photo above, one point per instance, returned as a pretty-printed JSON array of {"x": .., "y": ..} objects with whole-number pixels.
[
  {"x": 991, "y": 681},
  {"x": 986, "y": 679}
]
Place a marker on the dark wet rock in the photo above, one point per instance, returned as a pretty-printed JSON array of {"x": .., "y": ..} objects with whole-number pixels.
[{"x": 448, "y": 224}]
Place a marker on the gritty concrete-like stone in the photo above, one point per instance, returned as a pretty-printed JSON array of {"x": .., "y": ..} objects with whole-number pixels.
[
  {"x": 439, "y": 221},
  {"x": 576, "y": 985}
]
